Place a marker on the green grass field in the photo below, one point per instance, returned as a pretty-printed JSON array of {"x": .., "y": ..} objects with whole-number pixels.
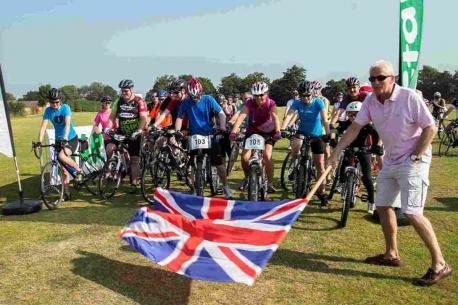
[{"x": 72, "y": 255}]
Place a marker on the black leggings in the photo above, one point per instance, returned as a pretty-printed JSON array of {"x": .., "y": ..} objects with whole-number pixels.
[{"x": 365, "y": 163}]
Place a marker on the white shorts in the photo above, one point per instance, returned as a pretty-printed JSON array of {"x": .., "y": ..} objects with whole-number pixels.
[{"x": 403, "y": 185}]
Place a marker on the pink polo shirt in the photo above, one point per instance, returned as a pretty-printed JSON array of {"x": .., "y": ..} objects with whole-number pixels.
[{"x": 399, "y": 122}]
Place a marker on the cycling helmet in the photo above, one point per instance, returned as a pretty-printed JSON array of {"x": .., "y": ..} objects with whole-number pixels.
[
  {"x": 305, "y": 87},
  {"x": 437, "y": 94},
  {"x": 54, "y": 94},
  {"x": 194, "y": 88},
  {"x": 126, "y": 83},
  {"x": 259, "y": 88},
  {"x": 161, "y": 93},
  {"x": 316, "y": 85},
  {"x": 352, "y": 81},
  {"x": 105, "y": 99},
  {"x": 177, "y": 85},
  {"x": 354, "y": 106}
]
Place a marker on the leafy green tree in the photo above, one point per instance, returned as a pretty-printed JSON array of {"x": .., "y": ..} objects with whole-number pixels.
[
  {"x": 70, "y": 92},
  {"x": 281, "y": 90},
  {"x": 332, "y": 87},
  {"x": 162, "y": 82},
  {"x": 207, "y": 86},
  {"x": 43, "y": 94},
  {"x": 10, "y": 97},
  {"x": 31, "y": 96},
  {"x": 431, "y": 80},
  {"x": 231, "y": 84}
]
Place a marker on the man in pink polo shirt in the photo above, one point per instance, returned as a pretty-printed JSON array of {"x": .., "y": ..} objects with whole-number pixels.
[{"x": 406, "y": 128}]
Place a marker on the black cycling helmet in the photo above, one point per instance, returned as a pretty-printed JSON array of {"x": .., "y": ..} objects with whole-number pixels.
[
  {"x": 305, "y": 87},
  {"x": 126, "y": 83},
  {"x": 105, "y": 99},
  {"x": 352, "y": 81},
  {"x": 54, "y": 94},
  {"x": 177, "y": 85}
]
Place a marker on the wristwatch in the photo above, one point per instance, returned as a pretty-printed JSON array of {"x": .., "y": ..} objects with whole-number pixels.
[{"x": 415, "y": 158}]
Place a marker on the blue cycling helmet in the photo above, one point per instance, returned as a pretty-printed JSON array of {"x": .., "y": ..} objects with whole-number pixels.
[{"x": 162, "y": 93}]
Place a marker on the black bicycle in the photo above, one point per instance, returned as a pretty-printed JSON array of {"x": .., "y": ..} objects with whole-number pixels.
[
  {"x": 51, "y": 177},
  {"x": 301, "y": 170},
  {"x": 116, "y": 167},
  {"x": 164, "y": 158},
  {"x": 449, "y": 138},
  {"x": 236, "y": 150},
  {"x": 202, "y": 170}
]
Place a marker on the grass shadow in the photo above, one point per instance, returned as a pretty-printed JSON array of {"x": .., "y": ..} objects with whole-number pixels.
[
  {"x": 317, "y": 263},
  {"x": 141, "y": 284},
  {"x": 450, "y": 203}
]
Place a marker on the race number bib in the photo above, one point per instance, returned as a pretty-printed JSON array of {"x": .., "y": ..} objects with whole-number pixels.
[
  {"x": 255, "y": 142},
  {"x": 200, "y": 142}
]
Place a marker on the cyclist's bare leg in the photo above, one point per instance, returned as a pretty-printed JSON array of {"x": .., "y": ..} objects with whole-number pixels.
[
  {"x": 245, "y": 157},
  {"x": 318, "y": 159},
  {"x": 296, "y": 145},
  {"x": 268, "y": 164},
  {"x": 134, "y": 169},
  {"x": 64, "y": 157},
  {"x": 110, "y": 148},
  {"x": 221, "y": 169}
]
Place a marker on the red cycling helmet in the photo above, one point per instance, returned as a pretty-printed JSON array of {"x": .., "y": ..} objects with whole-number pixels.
[{"x": 194, "y": 88}]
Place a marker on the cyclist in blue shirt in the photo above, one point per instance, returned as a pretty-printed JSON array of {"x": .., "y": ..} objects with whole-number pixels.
[
  {"x": 199, "y": 110},
  {"x": 61, "y": 117},
  {"x": 313, "y": 118}
]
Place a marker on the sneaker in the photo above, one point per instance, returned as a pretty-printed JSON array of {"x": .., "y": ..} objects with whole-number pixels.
[
  {"x": 227, "y": 191},
  {"x": 271, "y": 188},
  {"x": 133, "y": 189},
  {"x": 244, "y": 185},
  {"x": 323, "y": 199},
  {"x": 432, "y": 277},
  {"x": 370, "y": 208},
  {"x": 67, "y": 196}
]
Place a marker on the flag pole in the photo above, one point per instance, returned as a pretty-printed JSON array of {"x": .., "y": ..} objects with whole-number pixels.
[
  {"x": 318, "y": 183},
  {"x": 22, "y": 206}
]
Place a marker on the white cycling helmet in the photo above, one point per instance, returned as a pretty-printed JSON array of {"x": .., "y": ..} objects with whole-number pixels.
[
  {"x": 259, "y": 88},
  {"x": 354, "y": 106}
]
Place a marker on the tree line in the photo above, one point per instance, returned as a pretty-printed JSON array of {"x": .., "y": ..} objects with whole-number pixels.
[{"x": 85, "y": 98}]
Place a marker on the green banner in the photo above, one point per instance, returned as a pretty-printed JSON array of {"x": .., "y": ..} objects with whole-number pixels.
[{"x": 411, "y": 28}]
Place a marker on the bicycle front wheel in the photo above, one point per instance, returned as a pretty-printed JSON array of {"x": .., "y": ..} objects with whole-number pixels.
[
  {"x": 92, "y": 168},
  {"x": 287, "y": 175},
  {"x": 213, "y": 178},
  {"x": 253, "y": 184},
  {"x": 350, "y": 186},
  {"x": 232, "y": 158},
  {"x": 109, "y": 180},
  {"x": 199, "y": 178},
  {"x": 52, "y": 185}
]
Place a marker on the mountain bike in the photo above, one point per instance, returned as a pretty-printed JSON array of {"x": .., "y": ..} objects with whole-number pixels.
[
  {"x": 257, "y": 179},
  {"x": 202, "y": 170},
  {"x": 116, "y": 167},
  {"x": 449, "y": 138},
  {"x": 51, "y": 176},
  {"x": 236, "y": 150}
]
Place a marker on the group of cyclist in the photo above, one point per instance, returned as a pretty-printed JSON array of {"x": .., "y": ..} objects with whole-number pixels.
[{"x": 184, "y": 107}]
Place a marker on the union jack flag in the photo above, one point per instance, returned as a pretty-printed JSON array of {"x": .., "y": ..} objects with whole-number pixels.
[{"x": 211, "y": 239}]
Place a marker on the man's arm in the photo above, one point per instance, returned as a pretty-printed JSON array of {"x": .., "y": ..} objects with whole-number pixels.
[
  {"x": 178, "y": 124},
  {"x": 240, "y": 119},
  {"x": 347, "y": 138},
  {"x": 336, "y": 115},
  {"x": 143, "y": 120},
  {"x": 425, "y": 140},
  {"x": 276, "y": 119}
]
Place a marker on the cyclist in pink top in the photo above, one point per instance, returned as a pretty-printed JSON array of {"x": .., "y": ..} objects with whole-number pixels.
[
  {"x": 262, "y": 120},
  {"x": 102, "y": 117}
]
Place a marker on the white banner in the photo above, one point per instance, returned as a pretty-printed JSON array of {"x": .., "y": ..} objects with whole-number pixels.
[{"x": 5, "y": 142}]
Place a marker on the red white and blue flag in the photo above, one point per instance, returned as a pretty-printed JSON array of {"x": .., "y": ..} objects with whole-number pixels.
[{"x": 211, "y": 239}]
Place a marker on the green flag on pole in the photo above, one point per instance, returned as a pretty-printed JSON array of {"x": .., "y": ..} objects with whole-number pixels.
[{"x": 410, "y": 33}]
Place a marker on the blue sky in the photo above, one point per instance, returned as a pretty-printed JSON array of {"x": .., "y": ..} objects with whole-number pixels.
[{"x": 80, "y": 41}]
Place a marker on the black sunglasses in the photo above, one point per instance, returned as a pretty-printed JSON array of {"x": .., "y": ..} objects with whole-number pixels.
[
  {"x": 257, "y": 95},
  {"x": 380, "y": 78},
  {"x": 306, "y": 94},
  {"x": 55, "y": 102}
]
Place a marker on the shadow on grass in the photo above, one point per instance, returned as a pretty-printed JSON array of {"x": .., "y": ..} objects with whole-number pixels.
[
  {"x": 317, "y": 263},
  {"x": 142, "y": 284},
  {"x": 30, "y": 186},
  {"x": 451, "y": 204}
]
